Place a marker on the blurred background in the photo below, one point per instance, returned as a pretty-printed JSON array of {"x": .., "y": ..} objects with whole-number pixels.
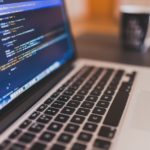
[
  {"x": 100, "y": 16},
  {"x": 96, "y": 25},
  {"x": 93, "y": 16}
]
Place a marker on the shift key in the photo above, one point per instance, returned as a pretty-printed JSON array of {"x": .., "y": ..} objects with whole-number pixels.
[{"x": 117, "y": 108}]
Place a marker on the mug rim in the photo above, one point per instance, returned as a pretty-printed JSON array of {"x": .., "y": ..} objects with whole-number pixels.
[{"x": 133, "y": 9}]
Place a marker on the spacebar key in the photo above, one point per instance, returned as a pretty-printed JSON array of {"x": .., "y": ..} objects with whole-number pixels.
[{"x": 116, "y": 110}]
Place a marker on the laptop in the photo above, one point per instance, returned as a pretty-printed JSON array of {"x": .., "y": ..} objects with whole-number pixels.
[{"x": 50, "y": 100}]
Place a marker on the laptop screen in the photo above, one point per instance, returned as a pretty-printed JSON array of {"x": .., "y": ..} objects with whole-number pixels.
[{"x": 34, "y": 41}]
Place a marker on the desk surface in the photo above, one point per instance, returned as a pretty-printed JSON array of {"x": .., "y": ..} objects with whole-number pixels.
[{"x": 107, "y": 48}]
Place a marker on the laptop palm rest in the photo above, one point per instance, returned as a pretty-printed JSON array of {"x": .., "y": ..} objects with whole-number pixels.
[{"x": 140, "y": 119}]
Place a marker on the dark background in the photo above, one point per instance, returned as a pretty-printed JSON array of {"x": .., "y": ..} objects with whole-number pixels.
[
  {"x": 14, "y": 1},
  {"x": 107, "y": 47}
]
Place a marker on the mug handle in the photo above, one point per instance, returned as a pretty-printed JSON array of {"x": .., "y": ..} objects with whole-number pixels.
[{"x": 147, "y": 38}]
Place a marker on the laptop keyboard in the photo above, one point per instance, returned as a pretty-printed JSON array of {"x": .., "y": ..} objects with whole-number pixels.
[{"x": 83, "y": 112}]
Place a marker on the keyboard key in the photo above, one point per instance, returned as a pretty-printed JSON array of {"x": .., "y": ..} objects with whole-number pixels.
[
  {"x": 103, "y": 82},
  {"x": 57, "y": 147},
  {"x": 64, "y": 85},
  {"x": 90, "y": 127},
  {"x": 42, "y": 107},
  {"x": 92, "y": 98},
  {"x": 85, "y": 137},
  {"x": 78, "y": 82},
  {"x": 87, "y": 104},
  {"x": 90, "y": 82},
  {"x": 78, "y": 97},
  {"x": 39, "y": 146},
  {"x": 106, "y": 98},
  {"x": 116, "y": 110},
  {"x": 101, "y": 144},
  {"x": 83, "y": 92},
  {"x": 34, "y": 115},
  {"x": 95, "y": 118},
  {"x": 72, "y": 128},
  {"x": 36, "y": 128},
  {"x": 55, "y": 127},
  {"x": 51, "y": 111},
  {"x": 55, "y": 95},
  {"x": 107, "y": 132},
  {"x": 65, "y": 138},
  {"x": 69, "y": 92},
  {"x": 44, "y": 119},
  {"x": 105, "y": 78},
  {"x": 83, "y": 112},
  {"x": 112, "y": 86},
  {"x": 78, "y": 146},
  {"x": 17, "y": 147},
  {"x": 80, "y": 79},
  {"x": 116, "y": 79},
  {"x": 114, "y": 82},
  {"x": 103, "y": 104},
  {"x": 15, "y": 134},
  {"x": 68, "y": 111},
  {"x": 74, "y": 87},
  {"x": 61, "y": 118},
  {"x": 126, "y": 87},
  {"x": 87, "y": 87},
  {"x": 119, "y": 73},
  {"x": 96, "y": 93},
  {"x": 64, "y": 98},
  {"x": 58, "y": 104},
  {"x": 109, "y": 92},
  {"x": 27, "y": 138},
  {"x": 47, "y": 136},
  {"x": 61, "y": 89},
  {"x": 49, "y": 101},
  {"x": 73, "y": 104},
  {"x": 132, "y": 77},
  {"x": 99, "y": 88},
  {"x": 77, "y": 119},
  {"x": 4, "y": 144},
  {"x": 99, "y": 111}
]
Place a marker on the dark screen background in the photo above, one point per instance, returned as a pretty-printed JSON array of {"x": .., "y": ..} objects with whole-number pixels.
[
  {"x": 15, "y": 1},
  {"x": 43, "y": 21}
]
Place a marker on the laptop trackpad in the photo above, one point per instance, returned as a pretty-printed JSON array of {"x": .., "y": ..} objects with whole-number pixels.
[{"x": 141, "y": 113}]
